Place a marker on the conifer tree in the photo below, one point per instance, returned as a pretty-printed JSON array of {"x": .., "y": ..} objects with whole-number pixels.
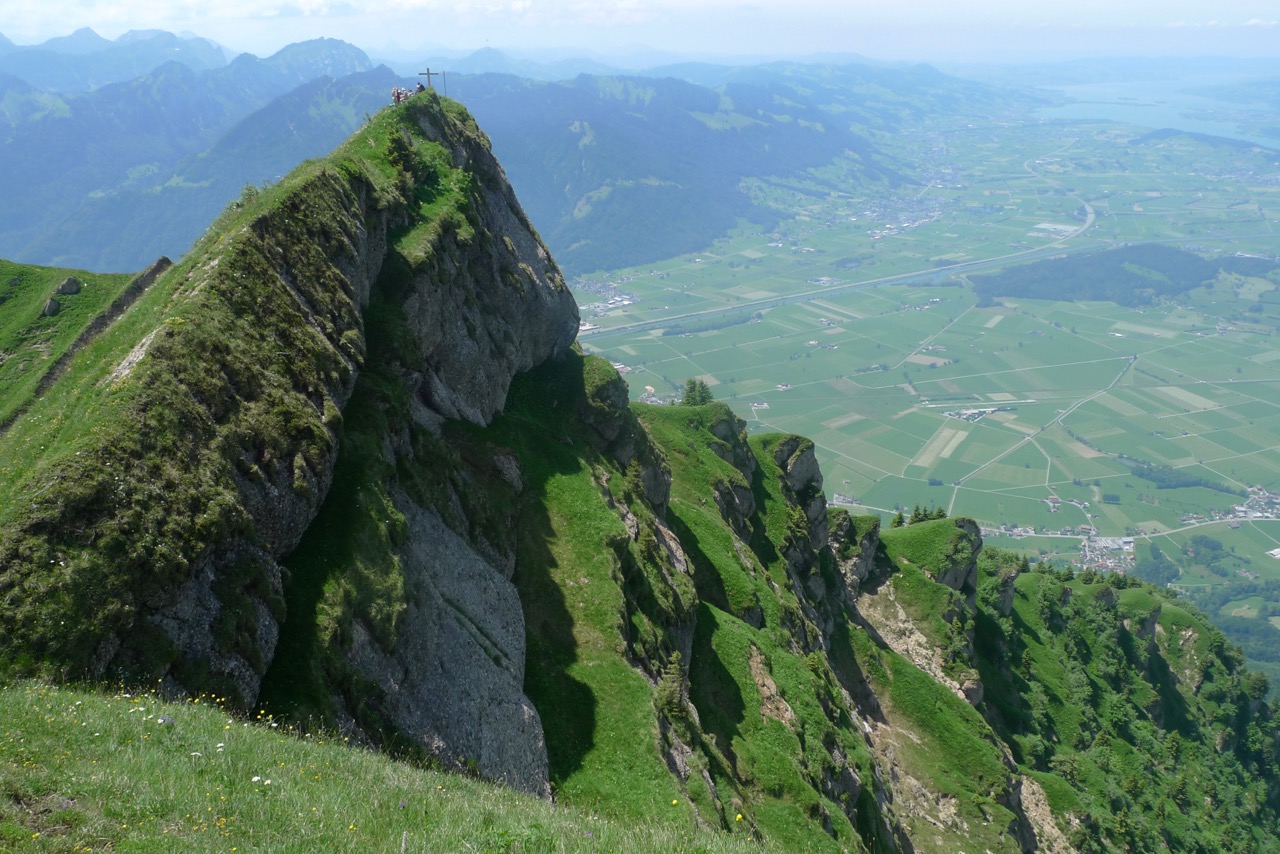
[{"x": 696, "y": 393}]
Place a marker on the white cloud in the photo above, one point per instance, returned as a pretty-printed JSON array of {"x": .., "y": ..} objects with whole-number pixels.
[{"x": 1216, "y": 23}]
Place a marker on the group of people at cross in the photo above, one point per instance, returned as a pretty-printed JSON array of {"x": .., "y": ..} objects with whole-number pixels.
[{"x": 399, "y": 94}]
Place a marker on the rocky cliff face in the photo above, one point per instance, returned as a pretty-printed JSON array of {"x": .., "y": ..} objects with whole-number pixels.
[
  {"x": 453, "y": 682},
  {"x": 854, "y": 543},
  {"x": 486, "y": 301}
]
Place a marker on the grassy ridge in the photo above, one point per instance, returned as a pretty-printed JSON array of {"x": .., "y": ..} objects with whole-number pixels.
[
  {"x": 603, "y": 622},
  {"x": 606, "y": 612},
  {"x": 597, "y": 707},
  {"x": 1118, "y": 700},
  {"x": 730, "y": 580},
  {"x": 30, "y": 342},
  {"x": 771, "y": 716},
  {"x": 941, "y": 742},
  {"x": 722, "y": 683},
  {"x": 215, "y": 389}
]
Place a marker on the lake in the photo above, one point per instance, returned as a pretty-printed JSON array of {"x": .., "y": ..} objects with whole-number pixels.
[{"x": 1159, "y": 104}]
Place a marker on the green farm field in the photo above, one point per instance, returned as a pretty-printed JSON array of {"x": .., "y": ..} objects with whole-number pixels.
[{"x": 934, "y": 389}]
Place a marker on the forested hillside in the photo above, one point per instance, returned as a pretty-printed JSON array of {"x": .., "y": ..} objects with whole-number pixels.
[
  {"x": 621, "y": 170},
  {"x": 1131, "y": 275}
]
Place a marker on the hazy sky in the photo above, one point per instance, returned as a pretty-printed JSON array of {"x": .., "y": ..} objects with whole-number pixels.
[{"x": 888, "y": 29}]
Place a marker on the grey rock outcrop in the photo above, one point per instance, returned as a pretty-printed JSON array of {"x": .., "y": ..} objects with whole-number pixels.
[
  {"x": 619, "y": 435},
  {"x": 854, "y": 545},
  {"x": 485, "y": 303},
  {"x": 732, "y": 432},
  {"x": 487, "y": 307},
  {"x": 252, "y": 401},
  {"x": 795, "y": 456},
  {"x": 191, "y": 619},
  {"x": 1006, "y": 592},
  {"x": 960, "y": 570},
  {"x": 453, "y": 683}
]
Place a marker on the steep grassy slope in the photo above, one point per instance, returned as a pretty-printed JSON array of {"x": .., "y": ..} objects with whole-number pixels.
[
  {"x": 1132, "y": 711},
  {"x": 958, "y": 786},
  {"x": 692, "y": 645},
  {"x": 697, "y": 660},
  {"x": 113, "y": 434},
  {"x": 33, "y": 341},
  {"x": 705, "y": 648},
  {"x": 648, "y": 691}
]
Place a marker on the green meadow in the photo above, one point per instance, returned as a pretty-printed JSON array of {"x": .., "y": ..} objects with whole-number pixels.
[{"x": 95, "y": 771}]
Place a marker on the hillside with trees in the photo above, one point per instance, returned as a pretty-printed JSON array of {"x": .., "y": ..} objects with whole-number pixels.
[{"x": 1130, "y": 276}]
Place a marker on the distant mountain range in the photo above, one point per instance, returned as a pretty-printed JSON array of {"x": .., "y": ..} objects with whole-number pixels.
[
  {"x": 85, "y": 60},
  {"x": 163, "y": 214},
  {"x": 492, "y": 61},
  {"x": 82, "y": 171},
  {"x": 613, "y": 170},
  {"x": 622, "y": 170}
]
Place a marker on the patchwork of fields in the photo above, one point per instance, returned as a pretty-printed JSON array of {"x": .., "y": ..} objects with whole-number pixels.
[{"x": 1048, "y": 403}]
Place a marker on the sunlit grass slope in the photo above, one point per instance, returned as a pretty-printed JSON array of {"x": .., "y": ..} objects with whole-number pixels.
[
  {"x": 31, "y": 341},
  {"x": 89, "y": 771}
]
